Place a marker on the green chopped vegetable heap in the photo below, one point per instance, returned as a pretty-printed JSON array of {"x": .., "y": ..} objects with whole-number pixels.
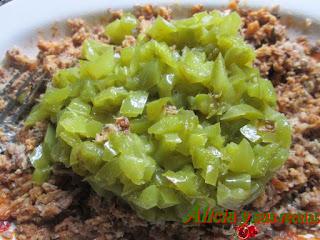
[{"x": 180, "y": 118}]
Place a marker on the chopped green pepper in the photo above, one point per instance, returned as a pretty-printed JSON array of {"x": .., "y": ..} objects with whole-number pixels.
[{"x": 180, "y": 117}]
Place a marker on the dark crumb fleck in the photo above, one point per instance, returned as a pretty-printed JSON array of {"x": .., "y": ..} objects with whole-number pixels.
[{"x": 123, "y": 123}]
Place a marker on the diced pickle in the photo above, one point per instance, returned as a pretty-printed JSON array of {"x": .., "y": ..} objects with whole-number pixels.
[
  {"x": 110, "y": 98},
  {"x": 133, "y": 104},
  {"x": 119, "y": 28},
  {"x": 241, "y": 156},
  {"x": 179, "y": 117},
  {"x": 184, "y": 180},
  {"x": 242, "y": 111}
]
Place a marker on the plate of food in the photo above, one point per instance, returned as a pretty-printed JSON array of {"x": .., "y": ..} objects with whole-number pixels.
[{"x": 159, "y": 120}]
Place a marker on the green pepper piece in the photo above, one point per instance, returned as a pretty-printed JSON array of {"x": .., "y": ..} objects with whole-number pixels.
[
  {"x": 166, "y": 85},
  {"x": 109, "y": 152},
  {"x": 39, "y": 175},
  {"x": 241, "y": 180},
  {"x": 88, "y": 91},
  {"x": 214, "y": 135},
  {"x": 250, "y": 132},
  {"x": 65, "y": 76},
  {"x": 168, "y": 124},
  {"x": 72, "y": 139},
  {"x": 133, "y": 104},
  {"x": 38, "y": 113},
  {"x": 281, "y": 133},
  {"x": 81, "y": 125},
  {"x": 204, "y": 156},
  {"x": 150, "y": 75},
  {"x": 78, "y": 107},
  {"x": 194, "y": 67},
  {"x": 170, "y": 141},
  {"x": 60, "y": 152},
  {"x": 92, "y": 49},
  {"x": 220, "y": 82},
  {"x": 140, "y": 125},
  {"x": 109, "y": 173},
  {"x": 119, "y": 28},
  {"x": 110, "y": 98},
  {"x": 52, "y": 102},
  {"x": 202, "y": 102},
  {"x": 184, "y": 180},
  {"x": 156, "y": 108},
  {"x": 126, "y": 55},
  {"x": 162, "y": 30},
  {"x": 168, "y": 198},
  {"x": 36, "y": 158},
  {"x": 41, "y": 158},
  {"x": 231, "y": 198},
  {"x": 100, "y": 67},
  {"x": 242, "y": 111},
  {"x": 196, "y": 140},
  {"x": 210, "y": 174},
  {"x": 149, "y": 197},
  {"x": 138, "y": 169},
  {"x": 241, "y": 156},
  {"x": 89, "y": 156},
  {"x": 263, "y": 90}
]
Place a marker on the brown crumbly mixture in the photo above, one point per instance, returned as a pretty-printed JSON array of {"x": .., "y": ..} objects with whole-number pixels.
[
  {"x": 149, "y": 12},
  {"x": 66, "y": 208},
  {"x": 197, "y": 8},
  {"x": 128, "y": 41},
  {"x": 16, "y": 59},
  {"x": 262, "y": 27}
]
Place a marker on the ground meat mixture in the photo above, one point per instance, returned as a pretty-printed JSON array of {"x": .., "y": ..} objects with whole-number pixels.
[{"x": 66, "y": 208}]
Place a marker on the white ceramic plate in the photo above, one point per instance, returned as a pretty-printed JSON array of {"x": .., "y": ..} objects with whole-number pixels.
[{"x": 22, "y": 20}]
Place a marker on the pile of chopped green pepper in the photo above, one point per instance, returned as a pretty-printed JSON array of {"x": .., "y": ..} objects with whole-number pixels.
[{"x": 180, "y": 118}]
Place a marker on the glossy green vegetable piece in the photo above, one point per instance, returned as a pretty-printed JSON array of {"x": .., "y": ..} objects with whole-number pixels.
[
  {"x": 231, "y": 198},
  {"x": 51, "y": 103},
  {"x": 214, "y": 135},
  {"x": 137, "y": 169},
  {"x": 180, "y": 117},
  {"x": 263, "y": 90},
  {"x": 204, "y": 103},
  {"x": 99, "y": 66},
  {"x": 149, "y": 75},
  {"x": 184, "y": 180},
  {"x": 168, "y": 124},
  {"x": 238, "y": 181},
  {"x": 119, "y": 28},
  {"x": 241, "y": 156},
  {"x": 156, "y": 108},
  {"x": 110, "y": 98},
  {"x": 92, "y": 49},
  {"x": 162, "y": 30},
  {"x": 89, "y": 156},
  {"x": 65, "y": 77},
  {"x": 81, "y": 125},
  {"x": 149, "y": 197},
  {"x": 133, "y": 104},
  {"x": 250, "y": 132},
  {"x": 220, "y": 82},
  {"x": 280, "y": 132},
  {"x": 194, "y": 66},
  {"x": 41, "y": 159},
  {"x": 242, "y": 111}
]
